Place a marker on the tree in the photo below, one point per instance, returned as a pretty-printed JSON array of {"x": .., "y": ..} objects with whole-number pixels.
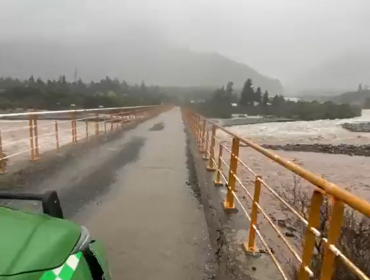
[
  {"x": 265, "y": 98},
  {"x": 367, "y": 103},
  {"x": 31, "y": 80},
  {"x": 229, "y": 88},
  {"x": 359, "y": 88},
  {"x": 258, "y": 96},
  {"x": 247, "y": 96},
  {"x": 143, "y": 87}
]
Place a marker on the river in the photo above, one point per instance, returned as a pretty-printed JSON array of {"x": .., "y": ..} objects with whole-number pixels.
[
  {"x": 350, "y": 172},
  {"x": 305, "y": 132}
]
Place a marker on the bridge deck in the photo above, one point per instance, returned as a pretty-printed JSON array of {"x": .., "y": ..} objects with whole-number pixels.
[
  {"x": 150, "y": 222},
  {"x": 131, "y": 193}
]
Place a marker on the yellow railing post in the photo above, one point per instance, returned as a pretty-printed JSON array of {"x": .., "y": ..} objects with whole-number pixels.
[
  {"x": 199, "y": 130},
  {"x": 218, "y": 181},
  {"x": 2, "y": 160},
  {"x": 35, "y": 130},
  {"x": 87, "y": 129},
  {"x": 75, "y": 127},
  {"x": 72, "y": 127},
  {"x": 206, "y": 151},
  {"x": 31, "y": 138},
  {"x": 309, "y": 245},
  {"x": 203, "y": 137},
  {"x": 200, "y": 135},
  {"x": 210, "y": 166},
  {"x": 251, "y": 246},
  {"x": 334, "y": 233},
  {"x": 229, "y": 204},
  {"x": 97, "y": 125},
  {"x": 57, "y": 136}
]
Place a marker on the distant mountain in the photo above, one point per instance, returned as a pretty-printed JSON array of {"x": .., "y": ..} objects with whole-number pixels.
[
  {"x": 130, "y": 61},
  {"x": 355, "y": 98},
  {"x": 343, "y": 73}
]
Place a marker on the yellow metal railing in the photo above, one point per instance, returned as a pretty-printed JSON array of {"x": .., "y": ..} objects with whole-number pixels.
[
  {"x": 56, "y": 125},
  {"x": 203, "y": 128}
]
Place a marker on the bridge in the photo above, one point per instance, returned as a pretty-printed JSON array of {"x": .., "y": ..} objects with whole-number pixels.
[{"x": 171, "y": 195}]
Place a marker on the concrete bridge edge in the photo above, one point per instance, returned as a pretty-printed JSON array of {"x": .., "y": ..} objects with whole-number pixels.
[{"x": 232, "y": 262}]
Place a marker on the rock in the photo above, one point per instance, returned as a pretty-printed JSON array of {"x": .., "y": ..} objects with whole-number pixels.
[
  {"x": 254, "y": 268},
  {"x": 281, "y": 222},
  {"x": 291, "y": 228},
  {"x": 289, "y": 234}
]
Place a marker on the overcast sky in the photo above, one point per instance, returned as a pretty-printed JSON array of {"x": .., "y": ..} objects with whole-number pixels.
[{"x": 278, "y": 38}]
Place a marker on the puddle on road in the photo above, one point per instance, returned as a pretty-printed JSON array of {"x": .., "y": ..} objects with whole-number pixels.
[{"x": 157, "y": 127}]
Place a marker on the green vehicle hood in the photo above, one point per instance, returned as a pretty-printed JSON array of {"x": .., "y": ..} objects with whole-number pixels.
[{"x": 30, "y": 242}]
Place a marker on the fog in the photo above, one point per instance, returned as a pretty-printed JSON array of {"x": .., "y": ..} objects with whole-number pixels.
[{"x": 287, "y": 40}]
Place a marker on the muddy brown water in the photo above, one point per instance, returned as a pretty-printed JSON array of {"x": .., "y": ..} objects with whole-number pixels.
[{"x": 345, "y": 171}]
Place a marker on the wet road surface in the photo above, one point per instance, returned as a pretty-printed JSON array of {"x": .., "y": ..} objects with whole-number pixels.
[{"x": 131, "y": 193}]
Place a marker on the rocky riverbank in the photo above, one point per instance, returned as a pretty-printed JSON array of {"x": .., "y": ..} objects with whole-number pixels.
[
  {"x": 343, "y": 149},
  {"x": 252, "y": 120},
  {"x": 357, "y": 127}
]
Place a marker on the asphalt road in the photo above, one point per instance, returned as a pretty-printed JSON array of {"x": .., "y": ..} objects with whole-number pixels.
[{"x": 131, "y": 192}]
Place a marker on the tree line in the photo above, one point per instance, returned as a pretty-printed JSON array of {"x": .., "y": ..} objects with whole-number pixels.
[
  {"x": 61, "y": 94},
  {"x": 224, "y": 102}
]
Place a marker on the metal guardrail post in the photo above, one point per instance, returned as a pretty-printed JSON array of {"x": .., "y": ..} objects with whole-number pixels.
[
  {"x": 199, "y": 130},
  {"x": 251, "y": 246},
  {"x": 210, "y": 166},
  {"x": 309, "y": 245},
  {"x": 203, "y": 136},
  {"x": 218, "y": 181},
  {"x": 35, "y": 131},
  {"x": 111, "y": 122},
  {"x": 74, "y": 129},
  {"x": 336, "y": 219},
  {"x": 2, "y": 160},
  {"x": 31, "y": 138},
  {"x": 206, "y": 142},
  {"x": 57, "y": 136},
  {"x": 97, "y": 125},
  {"x": 229, "y": 204},
  {"x": 87, "y": 129}
]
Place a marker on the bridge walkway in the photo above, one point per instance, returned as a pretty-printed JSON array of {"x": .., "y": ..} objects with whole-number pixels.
[
  {"x": 130, "y": 190},
  {"x": 150, "y": 221}
]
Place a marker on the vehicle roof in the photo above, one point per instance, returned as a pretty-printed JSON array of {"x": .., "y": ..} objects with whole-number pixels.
[{"x": 31, "y": 242}]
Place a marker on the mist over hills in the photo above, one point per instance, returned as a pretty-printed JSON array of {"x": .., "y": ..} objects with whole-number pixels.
[
  {"x": 131, "y": 61},
  {"x": 339, "y": 74}
]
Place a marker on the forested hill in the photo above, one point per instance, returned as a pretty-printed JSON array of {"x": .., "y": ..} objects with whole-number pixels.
[{"x": 154, "y": 64}]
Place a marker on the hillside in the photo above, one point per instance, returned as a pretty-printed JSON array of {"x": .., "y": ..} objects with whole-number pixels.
[
  {"x": 356, "y": 98},
  {"x": 156, "y": 64},
  {"x": 341, "y": 73}
]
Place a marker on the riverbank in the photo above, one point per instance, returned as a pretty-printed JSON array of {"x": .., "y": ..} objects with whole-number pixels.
[
  {"x": 251, "y": 120},
  {"x": 357, "y": 127},
  {"x": 341, "y": 149}
]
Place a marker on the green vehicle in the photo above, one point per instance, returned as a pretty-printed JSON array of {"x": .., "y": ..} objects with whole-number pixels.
[{"x": 45, "y": 246}]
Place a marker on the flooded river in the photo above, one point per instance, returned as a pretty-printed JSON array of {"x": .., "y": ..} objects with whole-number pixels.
[
  {"x": 305, "y": 132},
  {"x": 346, "y": 171}
]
